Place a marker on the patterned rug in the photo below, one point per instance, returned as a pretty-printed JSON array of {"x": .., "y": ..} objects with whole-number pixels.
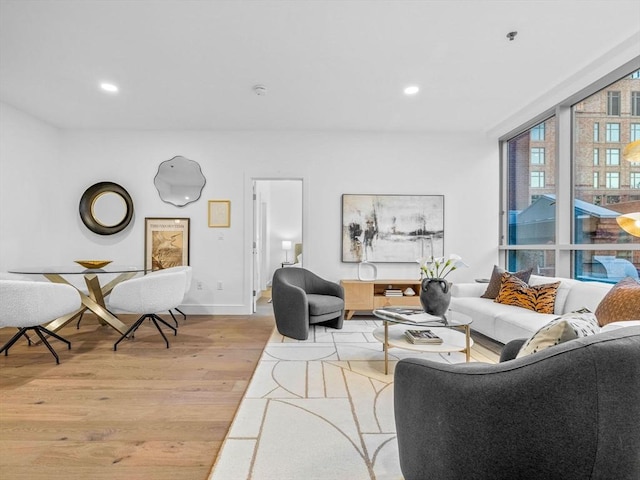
[{"x": 320, "y": 409}]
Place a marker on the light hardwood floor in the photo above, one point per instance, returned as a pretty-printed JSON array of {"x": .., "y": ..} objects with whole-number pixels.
[{"x": 143, "y": 412}]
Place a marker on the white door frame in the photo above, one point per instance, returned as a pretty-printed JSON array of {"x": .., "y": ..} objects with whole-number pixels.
[{"x": 253, "y": 255}]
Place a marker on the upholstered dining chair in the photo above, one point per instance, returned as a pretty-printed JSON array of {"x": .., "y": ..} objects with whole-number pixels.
[
  {"x": 568, "y": 412},
  {"x": 147, "y": 296},
  {"x": 189, "y": 274},
  {"x": 302, "y": 298},
  {"x": 28, "y": 305}
]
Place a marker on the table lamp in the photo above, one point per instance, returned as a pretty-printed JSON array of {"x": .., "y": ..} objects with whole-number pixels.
[{"x": 286, "y": 246}]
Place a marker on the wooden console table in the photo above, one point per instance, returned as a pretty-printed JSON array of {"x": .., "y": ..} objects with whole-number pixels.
[{"x": 369, "y": 295}]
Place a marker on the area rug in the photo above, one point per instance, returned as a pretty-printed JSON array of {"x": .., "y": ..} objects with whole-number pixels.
[{"x": 320, "y": 409}]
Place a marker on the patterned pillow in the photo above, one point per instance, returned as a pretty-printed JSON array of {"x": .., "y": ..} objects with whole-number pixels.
[
  {"x": 567, "y": 327},
  {"x": 539, "y": 298},
  {"x": 622, "y": 302},
  {"x": 494, "y": 283}
]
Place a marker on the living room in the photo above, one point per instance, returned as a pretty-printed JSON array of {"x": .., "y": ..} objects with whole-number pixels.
[{"x": 333, "y": 115}]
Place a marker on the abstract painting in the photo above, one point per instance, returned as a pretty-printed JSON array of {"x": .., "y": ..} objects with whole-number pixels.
[
  {"x": 166, "y": 243},
  {"x": 392, "y": 228}
]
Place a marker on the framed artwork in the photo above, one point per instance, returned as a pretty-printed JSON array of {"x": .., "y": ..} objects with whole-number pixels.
[
  {"x": 219, "y": 213},
  {"x": 392, "y": 228},
  {"x": 166, "y": 243}
]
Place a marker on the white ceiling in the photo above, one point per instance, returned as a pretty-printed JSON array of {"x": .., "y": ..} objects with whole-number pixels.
[{"x": 327, "y": 65}]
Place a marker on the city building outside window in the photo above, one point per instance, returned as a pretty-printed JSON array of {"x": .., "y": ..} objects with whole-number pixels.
[
  {"x": 537, "y": 133},
  {"x": 537, "y": 156},
  {"x": 635, "y": 104},
  {"x": 613, "y": 103},
  {"x": 612, "y": 180},
  {"x": 613, "y": 156},
  {"x": 561, "y": 217},
  {"x": 613, "y": 132},
  {"x": 537, "y": 179}
]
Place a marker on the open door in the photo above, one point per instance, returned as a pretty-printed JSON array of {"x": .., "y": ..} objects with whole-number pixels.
[{"x": 277, "y": 222}]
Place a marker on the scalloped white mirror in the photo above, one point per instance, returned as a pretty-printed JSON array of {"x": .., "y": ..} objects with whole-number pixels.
[{"x": 179, "y": 181}]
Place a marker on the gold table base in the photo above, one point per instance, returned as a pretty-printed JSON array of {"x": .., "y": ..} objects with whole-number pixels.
[{"x": 94, "y": 301}]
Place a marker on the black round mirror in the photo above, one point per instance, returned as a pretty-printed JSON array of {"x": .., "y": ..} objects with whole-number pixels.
[{"x": 106, "y": 208}]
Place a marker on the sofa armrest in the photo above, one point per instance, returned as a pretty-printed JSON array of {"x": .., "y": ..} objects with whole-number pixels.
[
  {"x": 511, "y": 349},
  {"x": 321, "y": 286},
  {"x": 468, "y": 289}
]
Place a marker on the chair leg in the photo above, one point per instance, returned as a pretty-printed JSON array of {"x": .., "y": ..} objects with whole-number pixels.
[
  {"x": 174, "y": 318},
  {"x": 184, "y": 316},
  {"x": 39, "y": 331},
  {"x": 153, "y": 319},
  {"x": 175, "y": 331},
  {"x": 14, "y": 339},
  {"x": 54, "y": 335},
  {"x": 132, "y": 328},
  {"x": 79, "y": 320}
]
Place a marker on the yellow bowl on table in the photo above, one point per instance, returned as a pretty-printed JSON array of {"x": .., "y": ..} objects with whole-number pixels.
[{"x": 93, "y": 263}]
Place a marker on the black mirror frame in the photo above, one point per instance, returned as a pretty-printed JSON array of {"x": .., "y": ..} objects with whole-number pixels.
[{"x": 91, "y": 194}]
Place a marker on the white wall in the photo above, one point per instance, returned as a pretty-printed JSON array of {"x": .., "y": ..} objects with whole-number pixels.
[
  {"x": 31, "y": 184},
  {"x": 45, "y": 171}
]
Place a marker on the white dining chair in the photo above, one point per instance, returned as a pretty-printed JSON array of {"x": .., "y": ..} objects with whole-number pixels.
[
  {"x": 148, "y": 295},
  {"x": 189, "y": 274},
  {"x": 27, "y": 305}
]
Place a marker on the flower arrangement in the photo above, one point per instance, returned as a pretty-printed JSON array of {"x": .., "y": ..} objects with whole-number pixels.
[{"x": 440, "y": 267}]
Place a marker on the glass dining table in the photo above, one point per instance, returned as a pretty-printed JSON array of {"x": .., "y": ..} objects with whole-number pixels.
[{"x": 93, "y": 298}]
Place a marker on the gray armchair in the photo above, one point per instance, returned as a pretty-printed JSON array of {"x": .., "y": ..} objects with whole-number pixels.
[
  {"x": 571, "y": 411},
  {"x": 301, "y": 298}
]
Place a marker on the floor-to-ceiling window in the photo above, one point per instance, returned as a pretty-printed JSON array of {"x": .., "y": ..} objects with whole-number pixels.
[{"x": 567, "y": 185}]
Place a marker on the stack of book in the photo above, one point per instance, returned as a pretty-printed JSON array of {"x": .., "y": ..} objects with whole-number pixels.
[
  {"x": 422, "y": 337},
  {"x": 393, "y": 292}
]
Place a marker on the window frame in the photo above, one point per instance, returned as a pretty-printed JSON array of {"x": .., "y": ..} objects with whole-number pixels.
[
  {"x": 538, "y": 175},
  {"x": 609, "y": 178},
  {"x": 539, "y": 155},
  {"x": 564, "y": 248},
  {"x": 613, "y": 103},
  {"x": 635, "y": 103},
  {"x": 612, "y": 132}
]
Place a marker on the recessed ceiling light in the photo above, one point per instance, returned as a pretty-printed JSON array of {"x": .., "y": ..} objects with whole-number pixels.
[
  {"x": 411, "y": 90},
  {"x": 109, "y": 87}
]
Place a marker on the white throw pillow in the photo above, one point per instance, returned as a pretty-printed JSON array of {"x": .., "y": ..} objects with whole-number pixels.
[{"x": 567, "y": 327}]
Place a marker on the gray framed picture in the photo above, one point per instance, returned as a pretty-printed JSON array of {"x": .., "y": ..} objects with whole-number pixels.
[{"x": 392, "y": 228}]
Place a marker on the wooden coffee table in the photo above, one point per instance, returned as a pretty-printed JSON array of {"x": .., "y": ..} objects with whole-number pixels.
[{"x": 391, "y": 334}]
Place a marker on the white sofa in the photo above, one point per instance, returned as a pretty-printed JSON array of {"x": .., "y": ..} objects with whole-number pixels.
[{"x": 507, "y": 322}]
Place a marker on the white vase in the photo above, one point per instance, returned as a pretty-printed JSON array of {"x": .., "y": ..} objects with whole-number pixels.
[{"x": 367, "y": 272}]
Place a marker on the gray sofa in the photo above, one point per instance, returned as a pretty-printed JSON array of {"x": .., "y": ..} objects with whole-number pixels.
[
  {"x": 568, "y": 412},
  {"x": 301, "y": 298}
]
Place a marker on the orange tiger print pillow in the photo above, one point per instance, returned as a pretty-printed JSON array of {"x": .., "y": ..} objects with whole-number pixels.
[{"x": 539, "y": 298}]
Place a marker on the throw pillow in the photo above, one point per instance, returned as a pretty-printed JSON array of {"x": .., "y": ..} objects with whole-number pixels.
[
  {"x": 621, "y": 303},
  {"x": 567, "y": 327},
  {"x": 494, "y": 283},
  {"x": 539, "y": 298}
]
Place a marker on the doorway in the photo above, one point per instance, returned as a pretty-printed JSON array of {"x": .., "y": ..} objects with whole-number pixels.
[{"x": 277, "y": 230}]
